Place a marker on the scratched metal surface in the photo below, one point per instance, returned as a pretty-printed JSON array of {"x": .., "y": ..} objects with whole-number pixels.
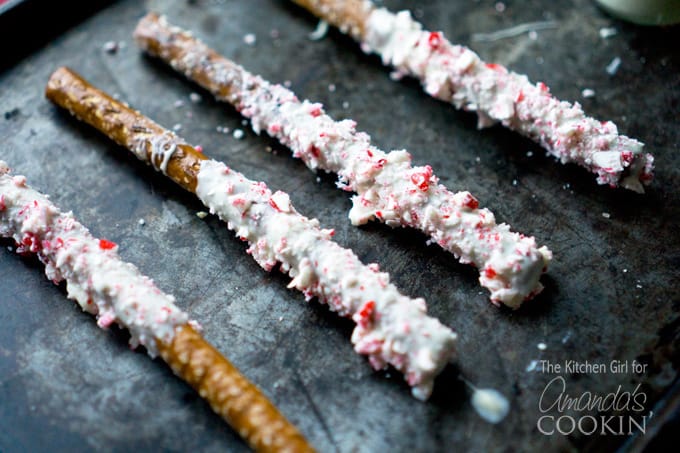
[{"x": 611, "y": 292}]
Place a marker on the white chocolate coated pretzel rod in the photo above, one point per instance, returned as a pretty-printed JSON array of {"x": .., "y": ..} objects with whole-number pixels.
[
  {"x": 388, "y": 187},
  {"x": 456, "y": 74},
  {"x": 115, "y": 291},
  {"x": 390, "y": 328}
]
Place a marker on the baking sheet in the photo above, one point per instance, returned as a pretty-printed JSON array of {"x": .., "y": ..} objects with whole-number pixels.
[{"x": 610, "y": 293}]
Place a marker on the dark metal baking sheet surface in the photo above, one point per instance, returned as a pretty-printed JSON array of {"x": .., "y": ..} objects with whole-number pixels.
[{"x": 611, "y": 293}]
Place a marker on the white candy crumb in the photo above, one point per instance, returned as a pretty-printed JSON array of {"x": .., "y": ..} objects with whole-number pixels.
[
  {"x": 320, "y": 31},
  {"x": 625, "y": 271},
  {"x": 201, "y": 214},
  {"x": 533, "y": 35},
  {"x": 500, "y": 7},
  {"x": 318, "y": 179},
  {"x": 607, "y": 32},
  {"x": 238, "y": 134},
  {"x": 142, "y": 222},
  {"x": 345, "y": 105},
  {"x": 566, "y": 338},
  {"x": 532, "y": 366},
  {"x": 490, "y": 404},
  {"x": 606, "y": 215},
  {"x": 530, "y": 153},
  {"x": 287, "y": 83},
  {"x": 250, "y": 39},
  {"x": 514, "y": 182},
  {"x": 331, "y": 87},
  {"x": 177, "y": 127},
  {"x": 613, "y": 67},
  {"x": 244, "y": 122},
  {"x": 195, "y": 98},
  {"x": 542, "y": 346},
  {"x": 638, "y": 286},
  {"x": 588, "y": 93},
  {"x": 111, "y": 47},
  {"x": 280, "y": 318},
  {"x": 178, "y": 103}
]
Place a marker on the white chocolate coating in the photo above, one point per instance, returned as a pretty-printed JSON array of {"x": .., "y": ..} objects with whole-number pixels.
[
  {"x": 391, "y": 328},
  {"x": 95, "y": 276},
  {"x": 388, "y": 188},
  {"x": 457, "y": 75}
]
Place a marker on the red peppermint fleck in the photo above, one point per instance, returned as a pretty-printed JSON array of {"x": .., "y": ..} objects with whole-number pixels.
[
  {"x": 199, "y": 148},
  {"x": 105, "y": 244},
  {"x": 435, "y": 39},
  {"x": 520, "y": 96},
  {"x": 495, "y": 66},
  {"x": 380, "y": 164},
  {"x": 626, "y": 156},
  {"x": 489, "y": 272},
  {"x": 470, "y": 201},
  {"x": 273, "y": 204},
  {"x": 315, "y": 111},
  {"x": 275, "y": 128},
  {"x": 3, "y": 206},
  {"x": 422, "y": 179},
  {"x": 543, "y": 87},
  {"x": 364, "y": 316},
  {"x": 378, "y": 214},
  {"x": 316, "y": 152}
]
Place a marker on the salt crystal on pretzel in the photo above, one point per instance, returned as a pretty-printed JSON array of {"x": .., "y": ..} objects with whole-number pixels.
[
  {"x": 456, "y": 74},
  {"x": 390, "y": 328},
  {"x": 115, "y": 291},
  {"x": 388, "y": 187}
]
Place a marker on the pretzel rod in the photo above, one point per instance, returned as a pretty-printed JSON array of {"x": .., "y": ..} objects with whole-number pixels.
[
  {"x": 391, "y": 328},
  {"x": 456, "y": 74},
  {"x": 388, "y": 188},
  {"x": 115, "y": 291}
]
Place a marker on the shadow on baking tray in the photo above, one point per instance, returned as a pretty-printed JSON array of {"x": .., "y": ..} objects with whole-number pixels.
[{"x": 30, "y": 24}]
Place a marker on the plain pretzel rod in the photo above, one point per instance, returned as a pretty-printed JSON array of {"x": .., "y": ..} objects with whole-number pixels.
[
  {"x": 457, "y": 75},
  {"x": 391, "y": 329},
  {"x": 388, "y": 187},
  {"x": 115, "y": 291}
]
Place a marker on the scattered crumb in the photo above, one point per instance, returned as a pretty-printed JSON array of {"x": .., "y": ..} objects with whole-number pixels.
[
  {"x": 287, "y": 83},
  {"x": 566, "y": 186},
  {"x": 250, "y": 39},
  {"x": 613, "y": 67},
  {"x": 625, "y": 271},
  {"x": 514, "y": 182},
  {"x": 566, "y": 337},
  {"x": 244, "y": 122},
  {"x": 607, "y": 32},
  {"x": 223, "y": 129},
  {"x": 268, "y": 149},
  {"x": 542, "y": 346},
  {"x": 588, "y": 93},
  {"x": 199, "y": 149},
  {"x": 201, "y": 214},
  {"x": 142, "y": 222},
  {"x": 178, "y": 103},
  {"x": 280, "y": 318},
  {"x": 606, "y": 215},
  {"x": 320, "y": 31},
  {"x": 532, "y": 366},
  {"x": 110, "y": 47},
  {"x": 238, "y": 134},
  {"x": 345, "y": 105},
  {"x": 318, "y": 179},
  {"x": 331, "y": 87},
  {"x": 177, "y": 127},
  {"x": 478, "y": 159},
  {"x": 500, "y": 7},
  {"x": 533, "y": 35},
  {"x": 116, "y": 96},
  {"x": 195, "y": 98},
  {"x": 530, "y": 153}
]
